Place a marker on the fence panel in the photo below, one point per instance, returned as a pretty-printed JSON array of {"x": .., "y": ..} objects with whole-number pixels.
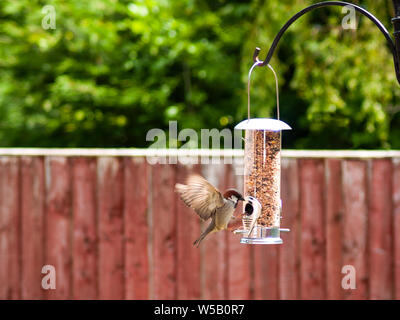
[
  {"x": 188, "y": 229},
  {"x": 9, "y": 228},
  {"x": 380, "y": 229},
  {"x": 110, "y": 228},
  {"x": 334, "y": 227},
  {"x": 84, "y": 242},
  {"x": 289, "y": 254},
  {"x": 239, "y": 256},
  {"x": 164, "y": 231},
  {"x": 313, "y": 255},
  {"x": 355, "y": 225},
  {"x": 214, "y": 247},
  {"x": 58, "y": 222},
  {"x": 32, "y": 195},
  {"x": 136, "y": 228},
  {"x": 113, "y": 228},
  {"x": 396, "y": 227}
]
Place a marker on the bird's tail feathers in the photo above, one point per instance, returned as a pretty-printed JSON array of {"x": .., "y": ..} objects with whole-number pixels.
[
  {"x": 197, "y": 242},
  {"x": 210, "y": 229}
]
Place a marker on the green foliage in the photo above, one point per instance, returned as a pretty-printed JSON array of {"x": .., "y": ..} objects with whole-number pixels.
[
  {"x": 112, "y": 70},
  {"x": 339, "y": 86}
]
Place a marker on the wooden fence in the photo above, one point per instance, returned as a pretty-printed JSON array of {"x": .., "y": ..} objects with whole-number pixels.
[{"x": 113, "y": 228}]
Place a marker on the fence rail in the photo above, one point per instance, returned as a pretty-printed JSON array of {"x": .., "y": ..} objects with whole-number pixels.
[{"x": 113, "y": 228}]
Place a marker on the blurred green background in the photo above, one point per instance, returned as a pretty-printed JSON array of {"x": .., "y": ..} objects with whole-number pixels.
[{"x": 112, "y": 70}]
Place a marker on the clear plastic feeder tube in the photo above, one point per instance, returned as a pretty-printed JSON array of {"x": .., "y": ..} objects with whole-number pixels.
[
  {"x": 262, "y": 173},
  {"x": 262, "y": 181}
]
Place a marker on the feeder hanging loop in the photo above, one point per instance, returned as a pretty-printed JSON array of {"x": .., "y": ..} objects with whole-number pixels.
[
  {"x": 276, "y": 87},
  {"x": 248, "y": 87}
]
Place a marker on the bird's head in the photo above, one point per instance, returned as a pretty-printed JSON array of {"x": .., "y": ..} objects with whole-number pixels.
[{"x": 233, "y": 195}]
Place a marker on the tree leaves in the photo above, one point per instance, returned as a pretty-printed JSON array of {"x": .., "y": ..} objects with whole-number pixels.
[{"x": 112, "y": 70}]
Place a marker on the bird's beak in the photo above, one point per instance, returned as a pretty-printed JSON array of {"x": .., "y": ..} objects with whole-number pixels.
[{"x": 242, "y": 199}]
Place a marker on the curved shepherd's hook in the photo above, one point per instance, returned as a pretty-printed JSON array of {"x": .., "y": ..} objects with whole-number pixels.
[{"x": 394, "y": 47}]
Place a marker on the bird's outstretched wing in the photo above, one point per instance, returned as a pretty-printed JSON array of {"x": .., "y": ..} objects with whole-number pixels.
[{"x": 200, "y": 195}]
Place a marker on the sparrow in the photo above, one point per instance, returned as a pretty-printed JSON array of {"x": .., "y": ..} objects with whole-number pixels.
[
  {"x": 208, "y": 202},
  {"x": 252, "y": 209}
]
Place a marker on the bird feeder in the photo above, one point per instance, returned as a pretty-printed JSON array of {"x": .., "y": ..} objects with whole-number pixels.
[
  {"x": 262, "y": 174},
  {"x": 262, "y": 207}
]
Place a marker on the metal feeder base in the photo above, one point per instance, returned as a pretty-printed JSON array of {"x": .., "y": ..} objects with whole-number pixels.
[
  {"x": 271, "y": 240},
  {"x": 262, "y": 235}
]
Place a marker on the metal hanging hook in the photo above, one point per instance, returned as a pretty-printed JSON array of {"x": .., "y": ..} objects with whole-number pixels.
[
  {"x": 276, "y": 87},
  {"x": 277, "y": 91},
  {"x": 248, "y": 87}
]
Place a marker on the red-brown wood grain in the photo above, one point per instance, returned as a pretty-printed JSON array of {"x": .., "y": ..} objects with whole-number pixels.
[
  {"x": 114, "y": 228},
  {"x": 313, "y": 255},
  {"x": 334, "y": 218},
  {"x": 396, "y": 227},
  {"x": 58, "y": 225},
  {"x": 84, "y": 177},
  {"x": 238, "y": 255},
  {"x": 136, "y": 189},
  {"x": 110, "y": 219},
  {"x": 380, "y": 230},
  {"x": 289, "y": 251},
  {"x": 354, "y": 252},
  {"x": 10, "y": 285},
  {"x": 266, "y": 272},
  {"x": 32, "y": 226},
  {"x": 188, "y": 229},
  {"x": 4, "y": 239},
  {"x": 164, "y": 232},
  {"x": 214, "y": 246}
]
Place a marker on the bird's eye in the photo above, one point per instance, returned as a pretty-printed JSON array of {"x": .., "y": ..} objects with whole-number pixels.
[{"x": 248, "y": 209}]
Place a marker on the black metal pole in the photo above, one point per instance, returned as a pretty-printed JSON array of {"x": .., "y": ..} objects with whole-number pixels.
[
  {"x": 393, "y": 46},
  {"x": 396, "y": 5},
  {"x": 396, "y": 34}
]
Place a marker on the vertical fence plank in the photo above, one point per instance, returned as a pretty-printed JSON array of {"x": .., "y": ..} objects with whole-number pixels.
[
  {"x": 289, "y": 259},
  {"x": 9, "y": 229},
  {"x": 380, "y": 230},
  {"x": 355, "y": 225},
  {"x": 110, "y": 219},
  {"x": 58, "y": 225},
  {"x": 396, "y": 226},
  {"x": 4, "y": 225},
  {"x": 136, "y": 229},
  {"x": 266, "y": 272},
  {"x": 238, "y": 255},
  {"x": 188, "y": 256},
  {"x": 164, "y": 232},
  {"x": 32, "y": 224},
  {"x": 313, "y": 256},
  {"x": 213, "y": 247},
  {"x": 334, "y": 218},
  {"x": 84, "y": 228}
]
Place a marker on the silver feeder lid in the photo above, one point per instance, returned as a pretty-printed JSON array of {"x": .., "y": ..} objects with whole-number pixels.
[{"x": 262, "y": 124}]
